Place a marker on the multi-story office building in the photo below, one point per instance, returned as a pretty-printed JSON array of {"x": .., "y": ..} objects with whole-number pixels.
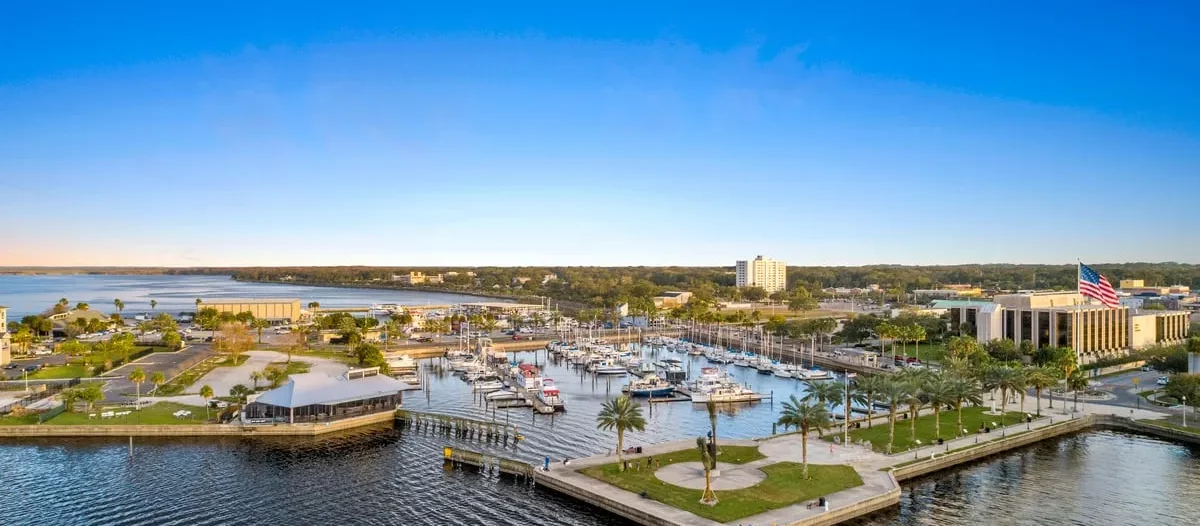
[
  {"x": 276, "y": 310},
  {"x": 769, "y": 274},
  {"x": 1065, "y": 319}
]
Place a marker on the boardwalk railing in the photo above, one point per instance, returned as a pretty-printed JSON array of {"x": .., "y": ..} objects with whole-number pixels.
[{"x": 458, "y": 427}]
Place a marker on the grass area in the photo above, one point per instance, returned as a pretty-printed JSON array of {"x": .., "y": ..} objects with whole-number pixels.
[
  {"x": 190, "y": 376},
  {"x": 331, "y": 355},
  {"x": 972, "y": 418},
  {"x": 26, "y": 420},
  {"x": 940, "y": 453},
  {"x": 781, "y": 310},
  {"x": 58, "y": 372},
  {"x": 783, "y": 486},
  {"x": 97, "y": 358},
  {"x": 294, "y": 367},
  {"x": 157, "y": 414},
  {"x": 1195, "y": 430}
]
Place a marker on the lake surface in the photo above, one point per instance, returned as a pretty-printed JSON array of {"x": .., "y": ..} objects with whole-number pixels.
[
  {"x": 387, "y": 476},
  {"x": 25, "y": 295}
]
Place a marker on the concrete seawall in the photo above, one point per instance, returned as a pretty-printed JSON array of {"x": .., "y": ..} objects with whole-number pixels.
[
  {"x": 987, "y": 449},
  {"x": 46, "y": 431}
]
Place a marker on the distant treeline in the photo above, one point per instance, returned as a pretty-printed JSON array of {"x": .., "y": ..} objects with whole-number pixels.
[{"x": 608, "y": 285}]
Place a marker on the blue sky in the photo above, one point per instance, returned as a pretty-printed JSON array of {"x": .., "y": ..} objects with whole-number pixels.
[{"x": 685, "y": 133}]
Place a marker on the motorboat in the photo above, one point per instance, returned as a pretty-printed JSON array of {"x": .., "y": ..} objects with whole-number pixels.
[
  {"x": 671, "y": 369},
  {"x": 726, "y": 392},
  {"x": 651, "y": 385},
  {"x": 550, "y": 396},
  {"x": 401, "y": 363},
  {"x": 784, "y": 370},
  {"x": 812, "y": 374},
  {"x": 503, "y": 394},
  {"x": 489, "y": 386},
  {"x": 608, "y": 367},
  {"x": 528, "y": 377}
]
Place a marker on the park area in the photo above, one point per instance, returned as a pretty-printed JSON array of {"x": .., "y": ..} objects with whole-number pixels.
[
  {"x": 161, "y": 413},
  {"x": 779, "y": 483},
  {"x": 83, "y": 366},
  {"x": 973, "y": 418}
]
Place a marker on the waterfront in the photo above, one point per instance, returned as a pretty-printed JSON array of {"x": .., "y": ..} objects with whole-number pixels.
[
  {"x": 175, "y": 293},
  {"x": 385, "y": 476}
]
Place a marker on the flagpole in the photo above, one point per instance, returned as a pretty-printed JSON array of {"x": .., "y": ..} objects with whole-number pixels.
[{"x": 1079, "y": 297}]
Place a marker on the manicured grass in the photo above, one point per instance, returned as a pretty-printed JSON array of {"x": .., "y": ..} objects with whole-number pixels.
[
  {"x": 783, "y": 486},
  {"x": 294, "y": 367},
  {"x": 26, "y": 420},
  {"x": 1168, "y": 424},
  {"x": 972, "y": 418},
  {"x": 331, "y": 355},
  {"x": 157, "y": 414},
  {"x": 61, "y": 371}
]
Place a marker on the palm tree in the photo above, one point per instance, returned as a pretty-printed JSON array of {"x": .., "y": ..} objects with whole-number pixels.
[
  {"x": 916, "y": 399},
  {"x": 1040, "y": 379},
  {"x": 153, "y": 304},
  {"x": 710, "y": 463},
  {"x": 1075, "y": 383},
  {"x": 965, "y": 390},
  {"x": 1006, "y": 380},
  {"x": 895, "y": 393},
  {"x": 260, "y": 324},
  {"x": 198, "y": 302},
  {"x": 137, "y": 376},
  {"x": 869, "y": 386},
  {"x": 314, "y": 305},
  {"x": 822, "y": 392},
  {"x": 621, "y": 414},
  {"x": 256, "y": 376},
  {"x": 805, "y": 417},
  {"x": 120, "y": 305},
  {"x": 82, "y": 306},
  {"x": 940, "y": 392},
  {"x": 158, "y": 380},
  {"x": 1021, "y": 383},
  {"x": 711, "y": 406},
  {"x": 206, "y": 392}
]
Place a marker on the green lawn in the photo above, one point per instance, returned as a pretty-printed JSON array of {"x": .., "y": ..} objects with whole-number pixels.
[
  {"x": 1195, "y": 430},
  {"x": 331, "y": 355},
  {"x": 972, "y": 418},
  {"x": 157, "y": 414},
  {"x": 294, "y": 367},
  {"x": 782, "y": 487},
  {"x": 56, "y": 372},
  {"x": 26, "y": 420}
]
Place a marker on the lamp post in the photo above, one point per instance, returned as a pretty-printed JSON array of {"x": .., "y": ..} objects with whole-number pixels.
[
  {"x": 1002, "y": 432},
  {"x": 1028, "y": 421},
  {"x": 917, "y": 450},
  {"x": 1183, "y": 410}
]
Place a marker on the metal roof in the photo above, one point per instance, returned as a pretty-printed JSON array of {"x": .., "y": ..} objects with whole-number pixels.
[{"x": 321, "y": 389}]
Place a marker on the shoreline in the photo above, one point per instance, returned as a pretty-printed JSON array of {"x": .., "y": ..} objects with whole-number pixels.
[{"x": 368, "y": 286}]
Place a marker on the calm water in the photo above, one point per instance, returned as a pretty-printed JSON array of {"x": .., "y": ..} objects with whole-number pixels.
[
  {"x": 385, "y": 476},
  {"x": 33, "y": 294}
]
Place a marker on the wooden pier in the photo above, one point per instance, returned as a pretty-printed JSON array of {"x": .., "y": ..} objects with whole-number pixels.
[
  {"x": 458, "y": 427},
  {"x": 489, "y": 463}
]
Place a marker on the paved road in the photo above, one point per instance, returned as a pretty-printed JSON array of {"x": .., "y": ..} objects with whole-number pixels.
[
  {"x": 1121, "y": 386},
  {"x": 16, "y": 373},
  {"x": 169, "y": 363}
]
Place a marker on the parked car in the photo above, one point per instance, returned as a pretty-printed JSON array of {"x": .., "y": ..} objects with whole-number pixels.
[
  {"x": 12, "y": 366},
  {"x": 1163, "y": 380},
  {"x": 31, "y": 368},
  {"x": 425, "y": 339},
  {"x": 43, "y": 352},
  {"x": 1147, "y": 368}
]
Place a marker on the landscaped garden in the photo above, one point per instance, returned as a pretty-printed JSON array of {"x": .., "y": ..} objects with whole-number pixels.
[
  {"x": 973, "y": 419},
  {"x": 185, "y": 379},
  {"x": 784, "y": 485}
]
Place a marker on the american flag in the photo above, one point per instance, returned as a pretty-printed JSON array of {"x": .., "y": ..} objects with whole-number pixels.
[{"x": 1093, "y": 285}]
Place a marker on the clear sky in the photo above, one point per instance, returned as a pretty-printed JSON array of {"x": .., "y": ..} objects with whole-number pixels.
[{"x": 640, "y": 133}]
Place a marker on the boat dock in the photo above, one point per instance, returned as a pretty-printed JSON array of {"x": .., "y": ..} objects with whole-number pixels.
[
  {"x": 458, "y": 427},
  {"x": 489, "y": 463}
]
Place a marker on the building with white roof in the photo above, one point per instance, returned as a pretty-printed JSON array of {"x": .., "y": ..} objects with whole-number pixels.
[{"x": 318, "y": 397}]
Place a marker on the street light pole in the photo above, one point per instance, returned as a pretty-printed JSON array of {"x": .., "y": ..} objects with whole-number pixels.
[{"x": 1184, "y": 409}]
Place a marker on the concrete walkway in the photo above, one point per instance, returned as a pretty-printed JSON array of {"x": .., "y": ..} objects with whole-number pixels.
[
  {"x": 728, "y": 476},
  {"x": 222, "y": 379}
]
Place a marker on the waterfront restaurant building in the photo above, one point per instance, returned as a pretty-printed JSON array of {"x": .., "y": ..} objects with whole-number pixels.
[
  {"x": 1049, "y": 319},
  {"x": 275, "y": 310},
  {"x": 318, "y": 397}
]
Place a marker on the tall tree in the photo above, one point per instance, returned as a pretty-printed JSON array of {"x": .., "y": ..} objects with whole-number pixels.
[
  {"x": 894, "y": 392},
  {"x": 120, "y": 305},
  {"x": 137, "y": 376},
  {"x": 806, "y": 417},
  {"x": 235, "y": 340},
  {"x": 158, "y": 379},
  {"x": 1040, "y": 379},
  {"x": 940, "y": 391},
  {"x": 965, "y": 390},
  {"x": 259, "y": 325},
  {"x": 620, "y": 414},
  {"x": 870, "y": 386},
  {"x": 206, "y": 392}
]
